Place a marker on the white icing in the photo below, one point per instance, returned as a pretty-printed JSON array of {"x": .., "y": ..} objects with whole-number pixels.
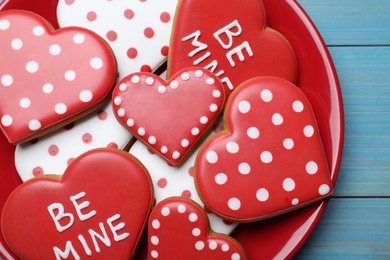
[
  {"x": 103, "y": 238},
  {"x": 65, "y": 254},
  {"x": 81, "y": 206},
  {"x": 227, "y": 30},
  {"x": 60, "y": 215}
]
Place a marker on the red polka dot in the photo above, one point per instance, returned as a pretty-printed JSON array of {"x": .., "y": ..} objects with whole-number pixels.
[
  {"x": 206, "y": 210},
  {"x": 69, "y": 126},
  {"x": 53, "y": 150},
  {"x": 91, "y": 16},
  {"x": 218, "y": 128},
  {"x": 227, "y": 222},
  {"x": 112, "y": 145},
  {"x": 162, "y": 183},
  {"x": 186, "y": 194},
  {"x": 165, "y": 17},
  {"x": 128, "y": 13},
  {"x": 164, "y": 51},
  {"x": 132, "y": 53},
  {"x": 191, "y": 171},
  {"x": 142, "y": 0},
  {"x": 146, "y": 68},
  {"x": 37, "y": 171},
  {"x": 148, "y": 32},
  {"x": 69, "y": 2},
  {"x": 150, "y": 151},
  {"x": 34, "y": 141},
  {"x": 102, "y": 115},
  {"x": 111, "y": 35},
  {"x": 87, "y": 138},
  {"x": 70, "y": 160}
]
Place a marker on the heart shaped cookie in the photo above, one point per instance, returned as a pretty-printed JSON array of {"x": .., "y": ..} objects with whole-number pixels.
[
  {"x": 98, "y": 209},
  {"x": 230, "y": 38},
  {"x": 178, "y": 229},
  {"x": 268, "y": 159},
  {"x": 47, "y": 77},
  {"x": 170, "y": 117}
]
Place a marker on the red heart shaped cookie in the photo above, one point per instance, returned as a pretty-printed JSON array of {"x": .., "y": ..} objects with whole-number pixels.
[
  {"x": 178, "y": 229},
  {"x": 268, "y": 159},
  {"x": 169, "y": 117},
  {"x": 98, "y": 209},
  {"x": 231, "y": 39},
  {"x": 48, "y": 77}
]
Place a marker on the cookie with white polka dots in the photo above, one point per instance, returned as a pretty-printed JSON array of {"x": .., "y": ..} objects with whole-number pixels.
[
  {"x": 169, "y": 181},
  {"x": 169, "y": 117},
  {"x": 178, "y": 229},
  {"x": 48, "y": 78},
  {"x": 138, "y": 31},
  {"x": 269, "y": 158}
]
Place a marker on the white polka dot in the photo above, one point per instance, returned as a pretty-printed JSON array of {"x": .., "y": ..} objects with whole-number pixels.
[
  {"x": 277, "y": 119},
  {"x": 288, "y": 143},
  {"x": 225, "y": 247},
  {"x": 70, "y": 75},
  {"x": 175, "y": 155},
  {"x": 297, "y": 106},
  {"x": 165, "y": 211},
  {"x": 220, "y": 178},
  {"x": 199, "y": 73},
  {"x": 152, "y": 140},
  {"x": 185, "y": 143},
  {"x": 134, "y": 79},
  {"x": 16, "y": 44},
  {"x": 213, "y": 245},
  {"x": 154, "y": 254},
  {"x": 161, "y": 90},
  {"x": 196, "y": 232},
  {"x": 164, "y": 149},
  {"x": 266, "y": 157},
  {"x": 32, "y": 66},
  {"x": 7, "y": 80},
  {"x": 141, "y": 131},
  {"x": 195, "y": 131},
  {"x": 212, "y": 157},
  {"x": 253, "y": 132},
  {"x": 38, "y": 30},
  {"x": 85, "y": 96},
  {"x": 193, "y": 217},
  {"x": 308, "y": 131},
  {"x": 244, "y": 168},
  {"x": 295, "y": 201},
  {"x": 154, "y": 240},
  {"x": 149, "y": 81},
  {"x": 96, "y": 63},
  {"x": 47, "y": 88},
  {"x": 181, "y": 208},
  {"x": 4, "y": 24},
  {"x": 25, "y": 102},
  {"x": 55, "y": 49},
  {"x": 34, "y": 125},
  {"x": 117, "y": 100},
  {"x": 323, "y": 189},
  {"x": 234, "y": 204},
  {"x": 216, "y": 93},
  {"x": 199, "y": 245},
  {"x": 174, "y": 84},
  {"x": 232, "y": 147},
  {"x": 78, "y": 38},
  {"x": 213, "y": 108},
  {"x": 236, "y": 256},
  {"x": 185, "y": 76},
  {"x": 210, "y": 81},
  {"x": 311, "y": 167},
  {"x": 288, "y": 184},
  {"x": 244, "y": 107},
  {"x": 266, "y": 95},
  {"x": 203, "y": 120},
  {"x": 60, "y": 108},
  {"x": 6, "y": 120},
  {"x": 156, "y": 224},
  {"x": 130, "y": 122},
  {"x": 121, "y": 112},
  {"x": 262, "y": 194},
  {"x": 123, "y": 87}
]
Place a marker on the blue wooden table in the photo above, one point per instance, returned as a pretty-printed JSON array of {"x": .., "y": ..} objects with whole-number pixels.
[{"x": 356, "y": 223}]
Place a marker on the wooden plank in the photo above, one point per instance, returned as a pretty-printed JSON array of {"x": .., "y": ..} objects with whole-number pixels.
[
  {"x": 364, "y": 75},
  {"x": 351, "y": 22},
  {"x": 351, "y": 229}
]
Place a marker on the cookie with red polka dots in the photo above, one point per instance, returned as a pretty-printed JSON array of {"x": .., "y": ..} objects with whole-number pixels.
[
  {"x": 169, "y": 181},
  {"x": 230, "y": 38},
  {"x": 268, "y": 159},
  {"x": 178, "y": 229},
  {"x": 138, "y": 31},
  {"x": 48, "y": 77},
  {"x": 169, "y": 117},
  {"x": 79, "y": 215}
]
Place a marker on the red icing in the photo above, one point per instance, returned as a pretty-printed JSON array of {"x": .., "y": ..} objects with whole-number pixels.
[
  {"x": 98, "y": 202},
  {"x": 46, "y": 76},
  {"x": 178, "y": 228},
  {"x": 286, "y": 167},
  {"x": 263, "y": 51},
  {"x": 170, "y": 117}
]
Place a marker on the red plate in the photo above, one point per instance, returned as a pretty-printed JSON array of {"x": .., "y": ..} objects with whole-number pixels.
[{"x": 278, "y": 237}]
